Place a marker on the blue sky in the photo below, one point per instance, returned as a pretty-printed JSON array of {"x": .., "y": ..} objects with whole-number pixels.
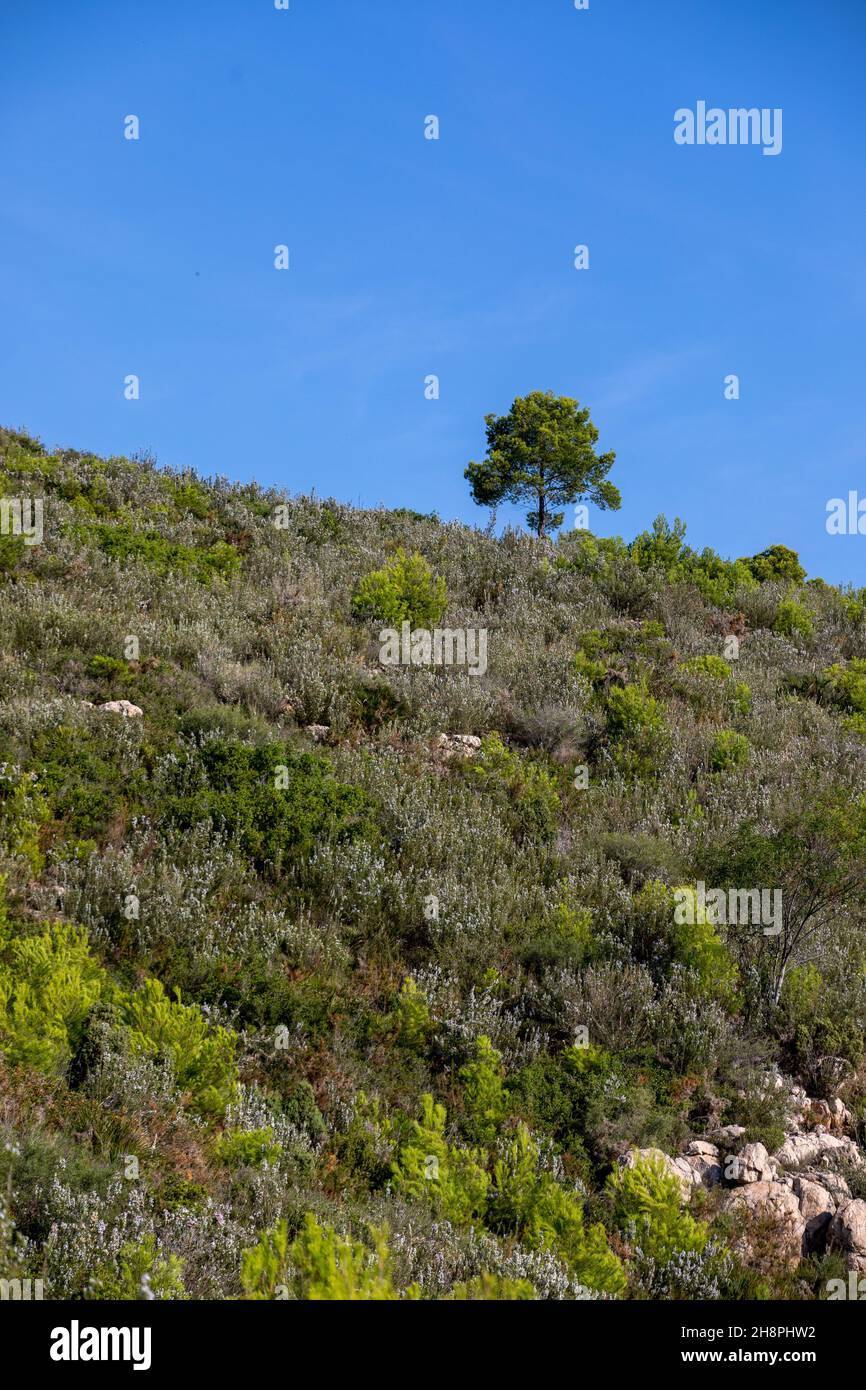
[{"x": 454, "y": 257}]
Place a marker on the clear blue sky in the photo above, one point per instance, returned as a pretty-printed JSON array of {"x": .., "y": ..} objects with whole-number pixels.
[{"x": 411, "y": 257}]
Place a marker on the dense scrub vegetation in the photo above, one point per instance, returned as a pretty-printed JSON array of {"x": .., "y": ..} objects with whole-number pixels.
[{"x": 297, "y": 1002}]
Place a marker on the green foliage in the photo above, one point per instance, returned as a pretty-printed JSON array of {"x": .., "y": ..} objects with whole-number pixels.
[
  {"x": 485, "y": 1099},
  {"x": 247, "y": 1148},
  {"x": 24, "y": 812},
  {"x": 846, "y": 685},
  {"x": 48, "y": 983},
  {"x": 544, "y": 450},
  {"x": 659, "y": 548},
  {"x": 793, "y": 619},
  {"x": 527, "y": 791},
  {"x": 699, "y": 948},
  {"x": 647, "y": 1203},
  {"x": 122, "y": 543},
  {"x": 203, "y": 1057},
  {"x": 107, "y": 668},
  {"x": 279, "y": 803},
  {"x": 405, "y": 589},
  {"x": 411, "y": 1017},
  {"x": 140, "y": 1271},
  {"x": 708, "y": 665},
  {"x": 638, "y": 730},
  {"x": 526, "y": 1201},
  {"x": 318, "y": 1265},
  {"x": 777, "y": 562},
  {"x": 428, "y": 1168},
  {"x": 728, "y": 750}
]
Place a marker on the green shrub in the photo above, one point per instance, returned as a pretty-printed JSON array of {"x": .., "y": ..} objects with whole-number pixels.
[
  {"x": 247, "y": 1148},
  {"x": 411, "y": 1017},
  {"x": 793, "y": 619},
  {"x": 139, "y": 1272},
  {"x": 428, "y": 1168},
  {"x": 48, "y": 984},
  {"x": 485, "y": 1098},
  {"x": 280, "y": 804},
  {"x": 708, "y": 665},
  {"x": 527, "y": 1202},
  {"x": 526, "y": 791},
  {"x": 647, "y": 1202},
  {"x": 728, "y": 750},
  {"x": 319, "y": 1265},
  {"x": 203, "y": 1058},
  {"x": 777, "y": 562},
  {"x": 637, "y": 727},
  {"x": 699, "y": 948},
  {"x": 404, "y": 589},
  {"x": 218, "y": 560}
]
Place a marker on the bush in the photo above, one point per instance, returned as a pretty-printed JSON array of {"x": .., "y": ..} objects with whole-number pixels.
[
  {"x": 485, "y": 1099},
  {"x": 139, "y": 1272},
  {"x": 777, "y": 562},
  {"x": 792, "y": 619},
  {"x": 404, "y": 589},
  {"x": 728, "y": 750},
  {"x": 203, "y": 1058},
  {"x": 319, "y": 1265},
  {"x": 278, "y": 803},
  {"x": 48, "y": 984},
  {"x": 647, "y": 1203},
  {"x": 637, "y": 727}
]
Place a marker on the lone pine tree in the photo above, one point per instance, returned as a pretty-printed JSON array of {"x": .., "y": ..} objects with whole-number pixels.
[{"x": 543, "y": 451}]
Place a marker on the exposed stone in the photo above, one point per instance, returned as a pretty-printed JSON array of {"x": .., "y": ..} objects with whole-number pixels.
[
  {"x": 729, "y": 1134},
  {"x": 124, "y": 707},
  {"x": 819, "y": 1114},
  {"x": 318, "y": 732},
  {"x": 847, "y": 1233},
  {"x": 762, "y": 1201},
  {"x": 458, "y": 745},
  {"x": 700, "y": 1148},
  {"x": 707, "y": 1171},
  {"x": 803, "y": 1150},
  {"x": 841, "y": 1115},
  {"x": 753, "y": 1165},
  {"x": 816, "y": 1208}
]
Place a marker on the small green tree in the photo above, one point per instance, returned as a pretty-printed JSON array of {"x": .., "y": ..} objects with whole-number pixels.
[
  {"x": 543, "y": 450},
  {"x": 404, "y": 589},
  {"x": 777, "y": 562}
]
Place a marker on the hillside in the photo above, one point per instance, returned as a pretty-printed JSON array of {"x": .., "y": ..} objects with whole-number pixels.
[{"x": 535, "y": 974}]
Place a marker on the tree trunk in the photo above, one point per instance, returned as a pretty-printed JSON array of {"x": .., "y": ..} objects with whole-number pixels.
[{"x": 541, "y": 508}]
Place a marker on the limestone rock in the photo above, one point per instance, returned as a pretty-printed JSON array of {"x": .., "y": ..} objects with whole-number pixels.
[
  {"x": 816, "y": 1208},
  {"x": 762, "y": 1200},
  {"x": 847, "y": 1232},
  {"x": 124, "y": 707},
  {"x": 458, "y": 745},
  {"x": 753, "y": 1165}
]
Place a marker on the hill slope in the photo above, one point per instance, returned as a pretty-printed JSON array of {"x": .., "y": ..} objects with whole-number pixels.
[{"x": 288, "y": 969}]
